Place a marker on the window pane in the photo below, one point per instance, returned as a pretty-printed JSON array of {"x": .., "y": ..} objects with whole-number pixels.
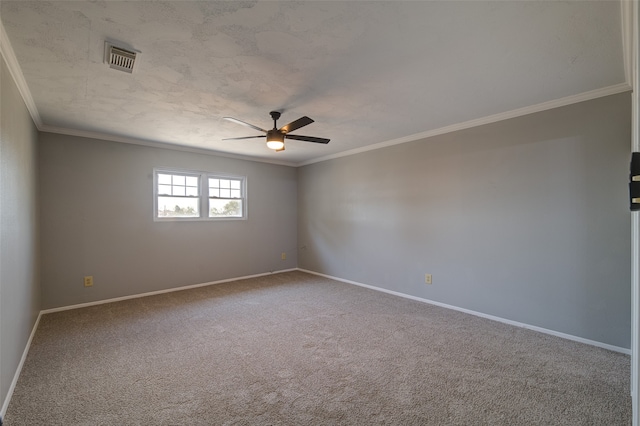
[
  {"x": 164, "y": 179},
  {"x": 179, "y": 195},
  {"x": 178, "y": 207},
  {"x": 164, "y": 189},
  {"x": 225, "y": 208}
]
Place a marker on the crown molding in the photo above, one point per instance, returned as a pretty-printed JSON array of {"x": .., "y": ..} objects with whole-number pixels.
[
  {"x": 627, "y": 12},
  {"x": 16, "y": 72},
  {"x": 568, "y": 100},
  {"x": 155, "y": 144},
  {"x": 6, "y": 50}
]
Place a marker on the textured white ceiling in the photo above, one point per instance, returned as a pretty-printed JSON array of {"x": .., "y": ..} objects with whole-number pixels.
[{"x": 367, "y": 72}]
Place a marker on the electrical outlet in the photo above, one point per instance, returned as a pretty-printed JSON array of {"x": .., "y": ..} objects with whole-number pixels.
[
  {"x": 283, "y": 256},
  {"x": 428, "y": 279},
  {"x": 88, "y": 281}
]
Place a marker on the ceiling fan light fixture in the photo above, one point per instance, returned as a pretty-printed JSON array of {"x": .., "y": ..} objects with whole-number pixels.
[
  {"x": 275, "y": 136},
  {"x": 275, "y": 140}
]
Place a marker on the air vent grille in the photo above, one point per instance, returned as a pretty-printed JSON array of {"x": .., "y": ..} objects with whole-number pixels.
[{"x": 120, "y": 59}]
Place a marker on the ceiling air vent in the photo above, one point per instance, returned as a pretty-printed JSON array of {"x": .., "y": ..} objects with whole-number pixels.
[{"x": 119, "y": 58}]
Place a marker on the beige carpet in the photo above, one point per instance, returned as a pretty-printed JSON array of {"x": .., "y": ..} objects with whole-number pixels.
[{"x": 296, "y": 349}]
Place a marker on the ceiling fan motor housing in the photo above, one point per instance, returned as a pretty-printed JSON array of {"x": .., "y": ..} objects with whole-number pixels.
[{"x": 275, "y": 135}]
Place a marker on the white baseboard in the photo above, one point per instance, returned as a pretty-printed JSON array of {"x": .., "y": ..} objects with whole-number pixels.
[
  {"x": 395, "y": 293},
  {"x": 480, "y": 314},
  {"x": 7, "y": 399},
  {"x": 5, "y": 405},
  {"x": 153, "y": 293}
]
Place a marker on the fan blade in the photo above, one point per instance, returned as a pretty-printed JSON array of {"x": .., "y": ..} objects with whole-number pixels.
[
  {"x": 307, "y": 138},
  {"x": 295, "y": 125},
  {"x": 244, "y": 137},
  {"x": 235, "y": 120}
]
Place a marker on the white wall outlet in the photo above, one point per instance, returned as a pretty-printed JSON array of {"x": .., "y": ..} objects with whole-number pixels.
[
  {"x": 428, "y": 279},
  {"x": 88, "y": 281},
  {"x": 283, "y": 256}
]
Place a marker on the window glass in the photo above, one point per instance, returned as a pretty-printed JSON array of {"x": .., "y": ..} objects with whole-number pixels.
[
  {"x": 198, "y": 195},
  {"x": 225, "y": 208},
  {"x": 164, "y": 189},
  {"x": 178, "y": 207}
]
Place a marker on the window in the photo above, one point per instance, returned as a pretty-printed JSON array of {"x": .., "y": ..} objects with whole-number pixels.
[
  {"x": 178, "y": 195},
  {"x": 225, "y": 197},
  {"x": 189, "y": 195}
]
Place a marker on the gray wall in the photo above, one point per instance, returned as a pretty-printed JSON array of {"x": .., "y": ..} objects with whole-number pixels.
[
  {"x": 97, "y": 219},
  {"x": 19, "y": 286},
  {"x": 526, "y": 219}
]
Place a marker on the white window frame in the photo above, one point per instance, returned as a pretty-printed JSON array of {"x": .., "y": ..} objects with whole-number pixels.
[{"x": 203, "y": 194}]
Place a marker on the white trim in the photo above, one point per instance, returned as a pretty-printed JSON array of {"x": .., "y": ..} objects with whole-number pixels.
[
  {"x": 479, "y": 314},
  {"x": 153, "y": 293},
  {"x": 18, "y": 77},
  {"x": 5, "y": 405},
  {"x": 631, "y": 25},
  {"x": 154, "y": 144},
  {"x": 7, "y": 52},
  {"x": 626, "y": 24},
  {"x": 7, "y": 399},
  {"x": 568, "y": 100},
  {"x": 203, "y": 196},
  {"x": 635, "y": 307},
  {"x": 395, "y": 293},
  {"x": 16, "y": 72}
]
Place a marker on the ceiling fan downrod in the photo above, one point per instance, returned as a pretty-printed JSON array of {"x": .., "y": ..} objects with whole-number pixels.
[
  {"x": 275, "y": 115},
  {"x": 275, "y": 136}
]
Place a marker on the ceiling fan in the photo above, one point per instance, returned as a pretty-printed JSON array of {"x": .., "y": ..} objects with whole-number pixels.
[{"x": 275, "y": 136}]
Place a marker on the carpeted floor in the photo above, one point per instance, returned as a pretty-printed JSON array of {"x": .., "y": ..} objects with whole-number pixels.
[{"x": 297, "y": 349}]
